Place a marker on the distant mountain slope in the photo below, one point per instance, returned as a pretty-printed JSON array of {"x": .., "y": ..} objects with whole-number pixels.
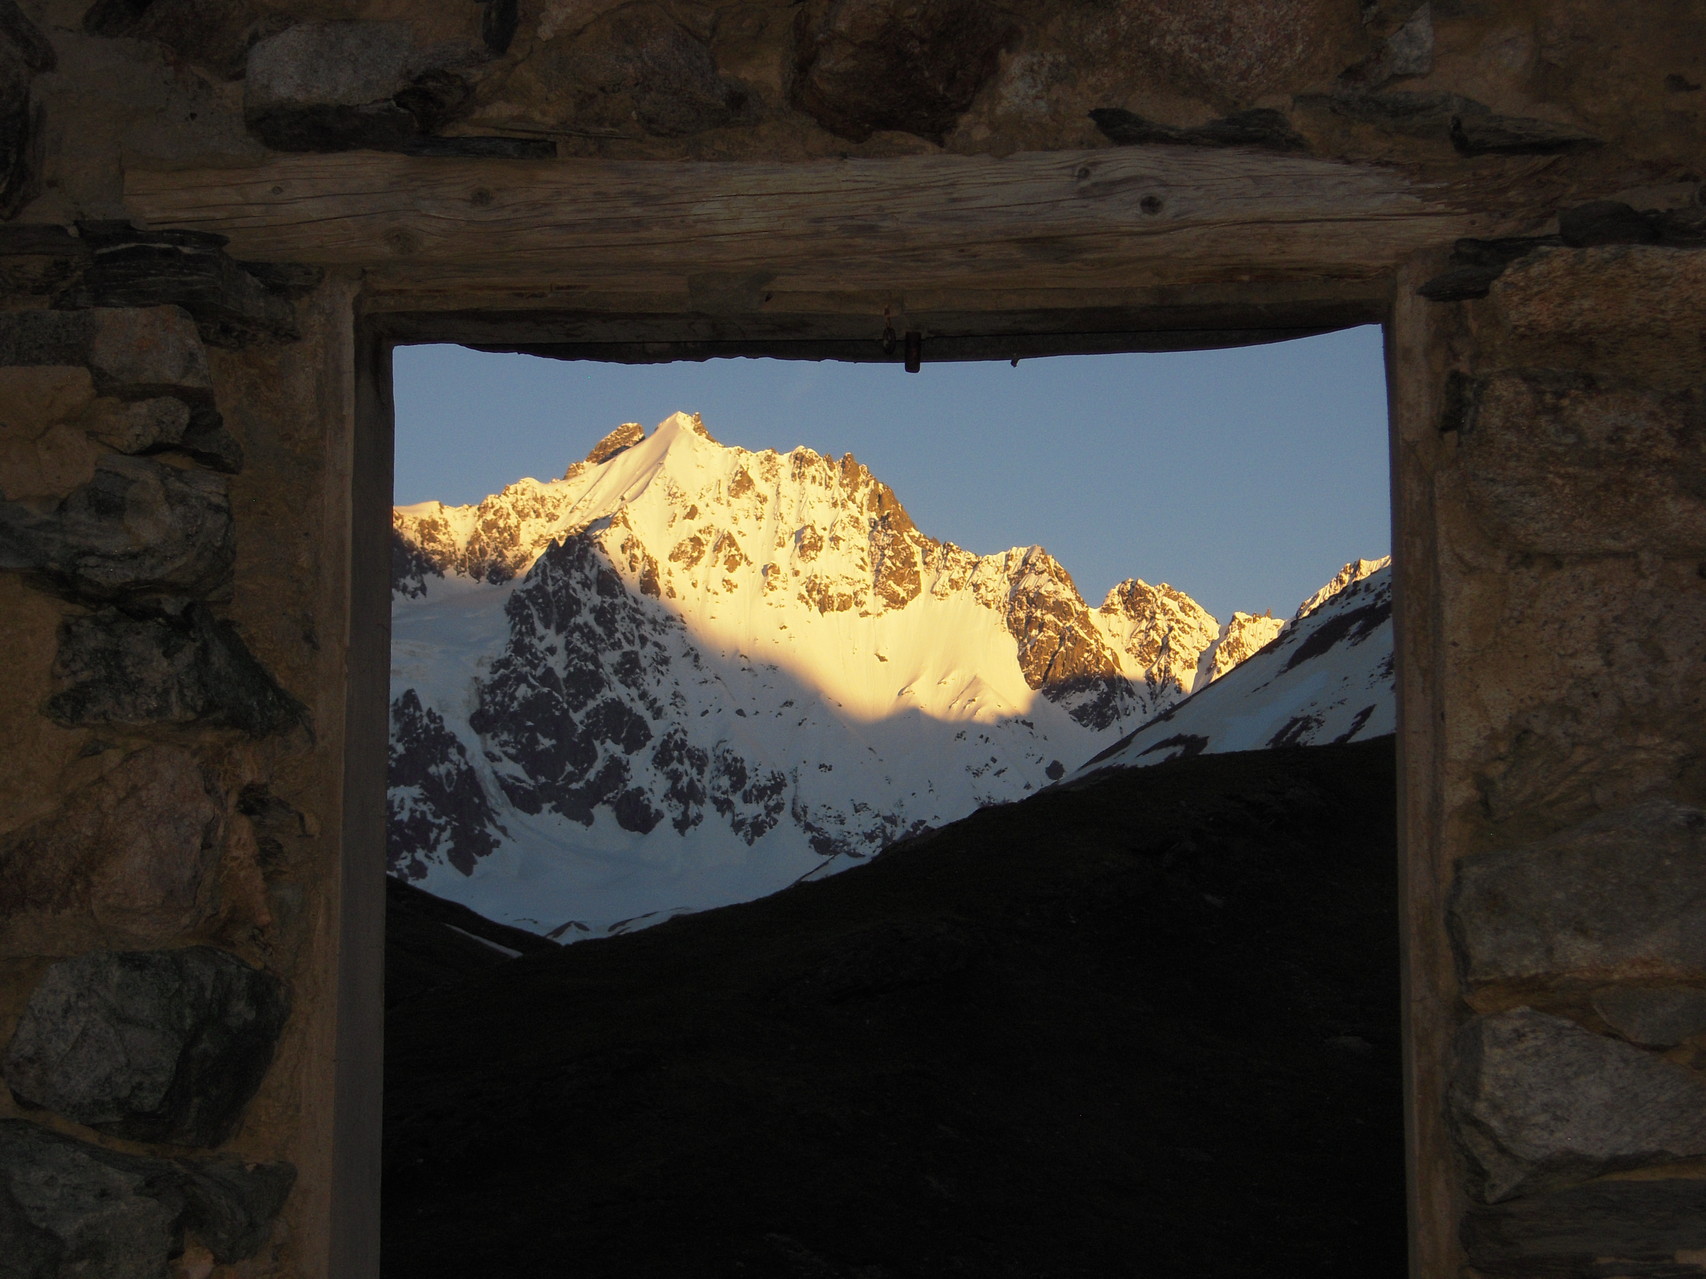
[
  {"x": 1146, "y": 1024},
  {"x": 684, "y": 675},
  {"x": 1327, "y": 677}
]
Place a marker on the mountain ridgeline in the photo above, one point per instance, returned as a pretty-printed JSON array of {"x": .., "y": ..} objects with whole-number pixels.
[{"x": 685, "y": 675}]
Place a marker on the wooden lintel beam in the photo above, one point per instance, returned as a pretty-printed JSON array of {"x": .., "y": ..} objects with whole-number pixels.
[{"x": 729, "y": 231}]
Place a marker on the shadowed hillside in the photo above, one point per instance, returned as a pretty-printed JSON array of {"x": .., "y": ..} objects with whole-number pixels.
[{"x": 1145, "y": 1025}]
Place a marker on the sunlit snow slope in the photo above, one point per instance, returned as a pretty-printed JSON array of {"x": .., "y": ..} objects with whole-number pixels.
[
  {"x": 684, "y": 675},
  {"x": 1327, "y": 677}
]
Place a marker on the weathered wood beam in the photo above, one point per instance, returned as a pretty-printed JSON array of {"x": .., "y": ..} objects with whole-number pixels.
[{"x": 728, "y": 234}]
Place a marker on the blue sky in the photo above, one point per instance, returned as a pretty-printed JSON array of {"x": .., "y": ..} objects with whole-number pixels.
[{"x": 1244, "y": 478}]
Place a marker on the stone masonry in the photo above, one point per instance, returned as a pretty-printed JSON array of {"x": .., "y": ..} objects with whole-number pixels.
[{"x": 215, "y": 214}]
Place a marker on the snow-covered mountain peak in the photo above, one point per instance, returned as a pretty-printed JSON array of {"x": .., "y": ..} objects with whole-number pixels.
[
  {"x": 687, "y": 673},
  {"x": 1355, "y": 571}
]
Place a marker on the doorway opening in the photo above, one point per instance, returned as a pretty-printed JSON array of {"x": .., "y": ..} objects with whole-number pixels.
[{"x": 840, "y": 1041}]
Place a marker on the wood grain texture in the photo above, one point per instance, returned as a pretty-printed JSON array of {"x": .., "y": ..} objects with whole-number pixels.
[{"x": 728, "y": 234}]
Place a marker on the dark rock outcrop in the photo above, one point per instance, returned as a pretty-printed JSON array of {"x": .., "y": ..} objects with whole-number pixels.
[
  {"x": 164, "y": 1045},
  {"x": 869, "y": 65},
  {"x": 68, "y": 1207},
  {"x": 155, "y": 669},
  {"x": 436, "y": 803},
  {"x": 138, "y": 531}
]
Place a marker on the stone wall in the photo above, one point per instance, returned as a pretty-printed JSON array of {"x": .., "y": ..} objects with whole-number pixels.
[{"x": 191, "y": 446}]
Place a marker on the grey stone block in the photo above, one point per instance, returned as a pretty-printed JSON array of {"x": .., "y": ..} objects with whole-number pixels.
[
  {"x": 1656, "y": 1016},
  {"x": 139, "y": 530},
  {"x": 1538, "y": 1102},
  {"x": 68, "y": 1208},
  {"x": 329, "y": 64},
  {"x": 89, "y": 1212},
  {"x": 165, "y": 1045},
  {"x": 1633, "y": 1229},
  {"x": 189, "y": 668},
  {"x": 131, "y": 352},
  {"x": 1621, "y": 895}
]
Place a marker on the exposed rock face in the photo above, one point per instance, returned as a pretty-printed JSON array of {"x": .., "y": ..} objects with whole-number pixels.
[
  {"x": 1618, "y": 896},
  {"x": 151, "y": 1045},
  {"x": 119, "y": 669},
  {"x": 1241, "y": 639},
  {"x": 132, "y": 853},
  {"x": 68, "y": 1207},
  {"x": 1539, "y": 1102},
  {"x": 1325, "y": 677},
  {"x": 437, "y": 807},
  {"x": 866, "y": 65},
  {"x": 331, "y": 85}
]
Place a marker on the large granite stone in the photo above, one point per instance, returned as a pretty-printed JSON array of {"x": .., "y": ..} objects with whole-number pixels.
[
  {"x": 164, "y": 423},
  {"x": 1558, "y": 462},
  {"x": 910, "y": 65},
  {"x": 69, "y": 1208},
  {"x": 1538, "y": 1102},
  {"x": 633, "y": 71},
  {"x": 126, "y": 859},
  {"x": 333, "y": 86},
  {"x": 164, "y": 1045},
  {"x": 1636, "y": 1229},
  {"x": 132, "y": 352},
  {"x": 190, "y": 668},
  {"x": 139, "y": 530},
  {"x": 1622, "y": 895},
  {"x": 1657, "y": 1016}
]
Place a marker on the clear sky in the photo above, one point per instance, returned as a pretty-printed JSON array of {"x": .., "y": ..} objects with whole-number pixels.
[{"x": 1244, "y": 478}]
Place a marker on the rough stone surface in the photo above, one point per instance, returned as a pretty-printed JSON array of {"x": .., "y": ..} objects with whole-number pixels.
[
  {"x": 131, "y": 352},
  {"x": 329, "y": 64},
  {"x": 212, "y": 34},
  {"x": 1632, "y": 1229},
  {"x": 86, "y": 1211},
  {"x": 1538, "y": 1102},
  {"x": 189, "y": 269},
  {"x": 635, "y": 71},
  {"x": 1566, "y": 463},
  {"x": 1655, "y": 1016},
  {"x": 1630, "y": 311},
  {"x": 869, "y": 65},
  {"x": 138, "y": 530},
  {"x": 1234, "y": 50},
  {"x": 68, "y": 1208},
  {"x": 165, "y": 1045},
  {"x": 165, "y": 423},
  {"x": 126, "y": 861},
  {"x": 1621, "y": 895},
  {"x": 118, "y": 669}
]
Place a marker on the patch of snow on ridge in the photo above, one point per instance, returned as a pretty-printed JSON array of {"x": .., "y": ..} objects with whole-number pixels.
[{"x": 1327, "y": 677}]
